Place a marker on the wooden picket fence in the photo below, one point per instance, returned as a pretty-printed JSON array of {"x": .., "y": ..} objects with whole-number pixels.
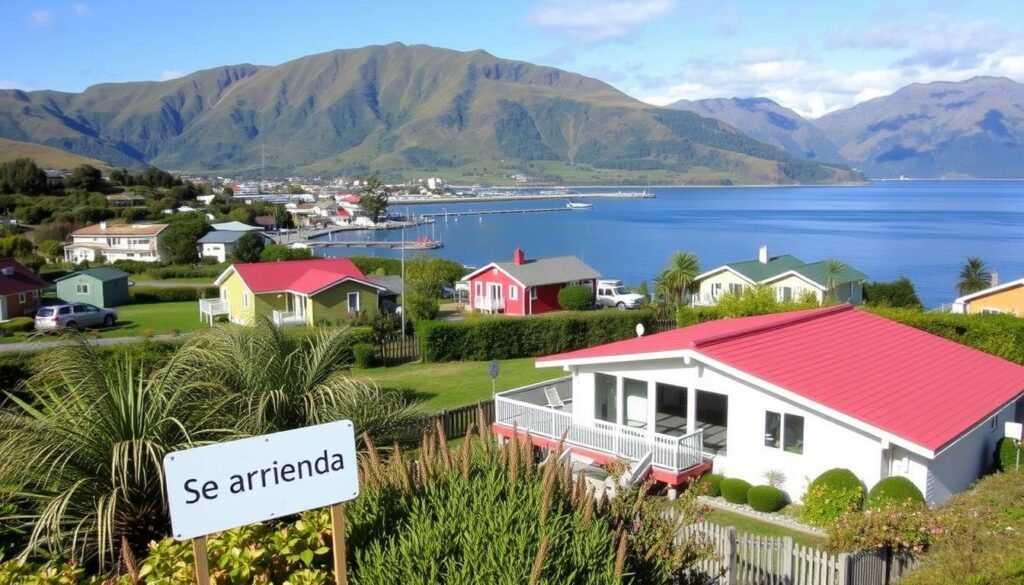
[
  {"x": 400, "y": 350},
  {"x": 746, "y": 559},
  {"x": 456, "y": 422}
]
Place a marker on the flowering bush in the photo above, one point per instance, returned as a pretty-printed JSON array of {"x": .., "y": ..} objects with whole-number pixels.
[{"x": 905, "y": 528}]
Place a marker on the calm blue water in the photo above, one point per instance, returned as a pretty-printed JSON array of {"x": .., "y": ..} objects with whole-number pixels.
[{"x": 922, "y": 230}]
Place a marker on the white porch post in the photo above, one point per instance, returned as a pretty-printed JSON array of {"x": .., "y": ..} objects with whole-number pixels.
[
  {"x": 652, "y": 409},
  {"x": 691, "y": 410},
  {"x": 620, "y": 411}
]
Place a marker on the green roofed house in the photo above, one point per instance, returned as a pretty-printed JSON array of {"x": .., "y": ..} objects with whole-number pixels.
[
  {"x": 102, "y": 286},
  {"x": 788, "y": 275}
]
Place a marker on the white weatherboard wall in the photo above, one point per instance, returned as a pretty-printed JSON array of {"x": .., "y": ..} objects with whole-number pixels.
[
  {"x": 725, "y": 278},
  {"x": 217, "y": 251},
  {"x": 961, "y": 463},
  {"x": 828, "y": 442},
  {"x": 798, "y": 285}
]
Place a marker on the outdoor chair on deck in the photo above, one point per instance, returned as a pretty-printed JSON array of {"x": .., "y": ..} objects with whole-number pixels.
[{"x": 554, "y": 400}]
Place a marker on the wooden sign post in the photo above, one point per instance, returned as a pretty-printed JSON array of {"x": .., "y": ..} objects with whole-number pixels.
[{"x": 218, "y": 487}]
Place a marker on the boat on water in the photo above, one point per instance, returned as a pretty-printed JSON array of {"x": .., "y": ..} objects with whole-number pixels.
[{"x": 579, "y": 205}]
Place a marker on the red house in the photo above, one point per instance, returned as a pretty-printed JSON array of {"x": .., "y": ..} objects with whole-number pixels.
[
  {"x": 526, "y": 287},
  {"x": 20, "y": 289}
]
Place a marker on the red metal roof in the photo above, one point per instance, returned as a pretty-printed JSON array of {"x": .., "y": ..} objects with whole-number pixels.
[
  {"x": 23, "y": 279},
  {"x": 912, "y": 384},
  {"x": 301, "y": 276}
]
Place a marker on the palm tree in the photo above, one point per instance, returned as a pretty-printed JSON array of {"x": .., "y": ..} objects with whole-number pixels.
[
  {"x": 276, "y": 382},
  {"x": 974, "y": 276},
  {"x": 82, "y": 453},
  {"x": 833, "y": 269},
  {"x": 678, "y": 277}
]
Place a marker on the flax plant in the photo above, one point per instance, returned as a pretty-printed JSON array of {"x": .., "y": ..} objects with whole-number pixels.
[
  {"x": 274, "y": 382},
  {"x": 81, "y": 452}
]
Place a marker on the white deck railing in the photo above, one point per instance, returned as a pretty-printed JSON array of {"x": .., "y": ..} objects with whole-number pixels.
[
  {"x": 671, "y": 453},
  {"x": 288, "y": 318},
  {"x": 214, "y": 307},
  {"x": 488, "y": 304}
]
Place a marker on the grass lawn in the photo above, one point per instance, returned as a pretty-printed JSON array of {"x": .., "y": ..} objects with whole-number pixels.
[
  {"x": 746, "y": 524},
  {"x": 133, "y": 319},
  {"x": 452, "y": 384}
]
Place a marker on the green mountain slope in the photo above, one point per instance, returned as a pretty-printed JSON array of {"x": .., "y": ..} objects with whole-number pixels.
[
  {"x": 397, "y": 107},
  {"x": 46, "y": 157}
]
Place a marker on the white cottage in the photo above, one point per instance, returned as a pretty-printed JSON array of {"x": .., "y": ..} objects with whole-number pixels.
[{"x": 796, "y": 393}]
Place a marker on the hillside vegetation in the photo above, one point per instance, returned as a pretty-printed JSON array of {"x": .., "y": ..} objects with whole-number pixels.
[
  {"x": 466, "y": 114},
  {"x": 45, "y": 156}
]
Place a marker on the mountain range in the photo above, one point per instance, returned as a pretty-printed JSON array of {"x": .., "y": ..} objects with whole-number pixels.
[
  {"x": 396, "y": 107},
  {"x": 968, "y": 129}
]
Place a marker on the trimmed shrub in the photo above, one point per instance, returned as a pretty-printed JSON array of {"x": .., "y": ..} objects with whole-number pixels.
[
  {"x": 710, "y": 484},
  {"x": 894, "y": 490},
  {"x": 365, "y": 355},
  {"x": 687, "y": 315},
  {"x": 576, "y": 297},
  {"x": 17, "y": 325},
  {"x": 210, "y": 271},
  {"x": 765, "y": 498},
  {"x": 487, "y": 338},
  {"x": 1007, "y": 451},
  {"x": 735, "y": 490},
  {"x": 170, "y": 294},
  {"x": 830, "y": 496}
]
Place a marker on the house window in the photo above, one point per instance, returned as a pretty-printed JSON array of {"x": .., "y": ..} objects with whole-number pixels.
[
  {"x": 245, "y": 300},
  {"x": 992, "y": 422},
  {"x": 82, "y": 288},
  {"x": 533, "y": 293},
  {"x": 784, "y": 294},
  {"x": 786, "y": 430},
  {"x": 990, "y": 311},
  {"x": 353, "y": 302},
  {"x": 479, "y": 289},
  {"x": 21, "y": 297},
  {"x": 605, "y": 397},
  {"x": 513, "y": 292},
  {"x": 735, "y": 288},
  {"x": 716, "y": 289}
]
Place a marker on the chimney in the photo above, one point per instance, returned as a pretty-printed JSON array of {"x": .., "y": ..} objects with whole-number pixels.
[
  {"x": 762, "y": 254},
  {"x": 519, "y": 257},
  {"x": 994, "y": 278},
  {"x": 103, "y": 225}
]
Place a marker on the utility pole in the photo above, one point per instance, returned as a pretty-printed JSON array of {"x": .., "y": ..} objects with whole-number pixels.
[{"x": 403, "y": 281}]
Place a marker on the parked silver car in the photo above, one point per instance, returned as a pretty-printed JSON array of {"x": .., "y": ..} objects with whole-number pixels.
[{"x": 73, "y": 316}]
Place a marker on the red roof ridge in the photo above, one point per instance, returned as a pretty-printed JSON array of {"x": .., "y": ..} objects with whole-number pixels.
[{"x": 797, "y": 318}]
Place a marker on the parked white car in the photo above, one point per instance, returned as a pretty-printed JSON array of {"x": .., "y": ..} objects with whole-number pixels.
[{"x": 612, "y": 293}]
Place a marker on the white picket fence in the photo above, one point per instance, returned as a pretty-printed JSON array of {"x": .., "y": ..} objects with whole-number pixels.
[{"x": 746, "y": 559}]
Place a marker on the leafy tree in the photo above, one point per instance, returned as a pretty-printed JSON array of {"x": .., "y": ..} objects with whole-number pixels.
[
  {"x": 22, "y": 175},
  {"x": 248, "y": 248},
  {"x": 51, "y": 249},
  {"x": 833, "y": 270},
  {"x": 275, "y": 382},
  {"x": 119, "y": 177},
  {"x": 898, "y": 294},
  {"x": 424, "y": 277},
  {"x": 227, "y": 191},
  {"x": 85, "y": 177},
  {"x": 374, "y": 198},
  {"x": 678, "y": 277},
  {"x": 643, "y": 290},
  {"x": 295, "y": 189},
  {"x": 280, "y": 252},
  {"x": 243, "y": 214},
  {"x": 83, "y": 451},
  {"x": 181, "y": 236},
  {"x": 974, "y": 276},
  {"x": 576, "y": 297}
]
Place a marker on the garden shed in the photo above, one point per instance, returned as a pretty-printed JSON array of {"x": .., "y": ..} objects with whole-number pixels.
[{"x": 101, "y": 286}]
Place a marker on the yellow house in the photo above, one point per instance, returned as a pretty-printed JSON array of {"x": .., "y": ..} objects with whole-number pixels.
[
  {"x": 1004, "y": 298},
  {"x": 306, "y": 292},
  {"x": 789, "y": 276}
]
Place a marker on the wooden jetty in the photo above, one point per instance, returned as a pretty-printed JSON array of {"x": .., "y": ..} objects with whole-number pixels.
[
  {"x": 409, "y": 245},
  {"x": 492, "y": 212}
]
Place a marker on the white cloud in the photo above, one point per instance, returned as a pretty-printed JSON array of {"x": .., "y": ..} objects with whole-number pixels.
[
  {"x": 169, "y": 74},
  {"x": 594, "y": 21},
  {"x": 80, "y": 9},
  {"x": 41, "y": 18}
]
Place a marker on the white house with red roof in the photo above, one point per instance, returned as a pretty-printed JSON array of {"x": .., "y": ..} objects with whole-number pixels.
[
  {"x": 20, "y": 289},
  {"x": 797, "y": 393},
  {"x": 526, "y": 286},
  {"x": 307, "y": 292}
]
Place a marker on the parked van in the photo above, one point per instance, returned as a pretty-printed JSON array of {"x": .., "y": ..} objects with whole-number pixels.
[{"x": 612, "y": 293}]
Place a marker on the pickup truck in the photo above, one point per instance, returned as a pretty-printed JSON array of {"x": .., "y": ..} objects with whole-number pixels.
[{"x": 611, "y": 293}]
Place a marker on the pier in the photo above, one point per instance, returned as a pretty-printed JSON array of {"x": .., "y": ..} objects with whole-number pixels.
[
  {"x": 438, "y": 214},
  {"x": 389, "y": 245},
  {"x": 471, "y": 198}
]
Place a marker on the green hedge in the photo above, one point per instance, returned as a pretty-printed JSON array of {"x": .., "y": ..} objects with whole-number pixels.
[
  {"x": 170, "y": 294},
  {"x": 210, "y": 271},
  {"x": 894, "y": 490},
  {"x": 488, "y": 338},
  {"x": 365, "y": 355},
  {"x": 766, "y": 498},
  {"x": 576, "y": 297},
  {"x": 1006, "y": 455},
  {"x": 735, "y": 490},
  {"x": 832, "y": 495},
  {"x": 17, "y": 325},
  {"x": 371, "y": 264},
  {"x": 710, "y": 484}
]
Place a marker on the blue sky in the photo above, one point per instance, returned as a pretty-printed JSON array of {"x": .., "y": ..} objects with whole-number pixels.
[{"x": 812, "y": 56}]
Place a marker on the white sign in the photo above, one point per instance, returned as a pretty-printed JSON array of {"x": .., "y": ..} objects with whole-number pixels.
[
  {"x": 1014, "y": 430},
  {"x": 217, "y": 487}
]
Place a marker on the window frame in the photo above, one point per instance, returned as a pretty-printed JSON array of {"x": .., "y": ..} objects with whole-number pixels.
[
  {"x": 513, "y": 292},
  {"x": 784, "y": 431},
  {"x": 348, "y": 301},
  {"x": 82, "y": 288},
  {"x": 533, "y": 293}
]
